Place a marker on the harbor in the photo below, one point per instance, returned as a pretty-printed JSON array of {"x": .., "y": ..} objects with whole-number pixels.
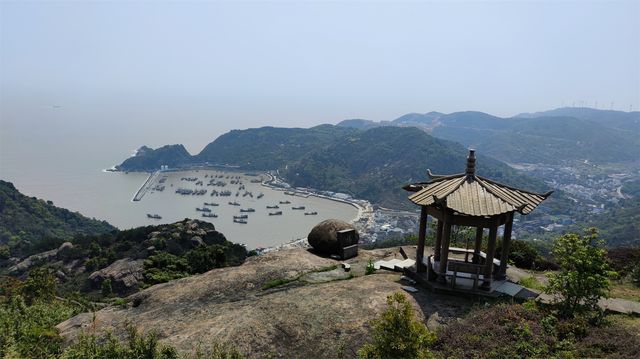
[{"x": 256, "y": 209}]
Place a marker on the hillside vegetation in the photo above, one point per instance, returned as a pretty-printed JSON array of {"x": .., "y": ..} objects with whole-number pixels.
[
  {"x": 558, "y": 136},
  {"x": 29, "y": 225}
]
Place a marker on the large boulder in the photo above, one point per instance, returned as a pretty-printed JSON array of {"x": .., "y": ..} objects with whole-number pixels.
[
  {"x": 324, "y": 236},
  {"x": 125, "y": 274}
]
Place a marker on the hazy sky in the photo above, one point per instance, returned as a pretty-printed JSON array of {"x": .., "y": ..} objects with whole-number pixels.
[{"x": 226, "y": 65}]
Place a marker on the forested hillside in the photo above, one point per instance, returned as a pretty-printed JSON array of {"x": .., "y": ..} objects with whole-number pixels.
[{"x": 29, "y": 225}]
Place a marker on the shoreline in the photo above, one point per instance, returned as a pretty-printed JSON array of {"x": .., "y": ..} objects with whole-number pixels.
[{"x": 363, "y": 207}]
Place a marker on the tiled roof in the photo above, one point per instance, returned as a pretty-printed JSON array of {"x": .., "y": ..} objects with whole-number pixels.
[{"x": 472, "y": 195}]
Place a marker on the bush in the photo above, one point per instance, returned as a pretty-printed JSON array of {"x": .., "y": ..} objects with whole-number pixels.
[
  {"x": 397, "y": 334},
  {"x": 370, "y": 268},
  {"x": 584, "y": 273},
  {"x": 623, "y": 259},
  {"x": 137, "y": 346},
  {"x": 525, "y": 255},
  {"x": 40, "y": 286},
  {"x": 107, "y": 290},
  {"x": 28, "y": 331},
  {"x": 499, "y": 331}
]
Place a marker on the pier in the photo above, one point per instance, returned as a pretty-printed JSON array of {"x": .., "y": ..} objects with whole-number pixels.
[{"x": 146, "y": 186}]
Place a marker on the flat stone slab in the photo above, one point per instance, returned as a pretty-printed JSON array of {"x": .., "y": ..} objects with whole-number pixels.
[
  {"x": 615, "y": 305},
  {"x": 394, "y": 264},
  {"x": 620, "y": 306},
  {"x": 508, "y": 288}
]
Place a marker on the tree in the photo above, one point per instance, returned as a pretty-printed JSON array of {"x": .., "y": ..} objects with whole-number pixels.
[
  {"x": 584, "y": 273},
  {"x": 397, "y": 334}
]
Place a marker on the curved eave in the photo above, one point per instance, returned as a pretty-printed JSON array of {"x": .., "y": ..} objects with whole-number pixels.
[{"x": 474, "y": 196}]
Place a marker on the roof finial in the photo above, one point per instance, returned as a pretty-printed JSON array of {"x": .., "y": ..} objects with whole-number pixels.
[{"x": 471, "y": 163}]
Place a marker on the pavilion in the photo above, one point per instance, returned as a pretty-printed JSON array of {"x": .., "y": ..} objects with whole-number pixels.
[{"x": 468, "y": 200}]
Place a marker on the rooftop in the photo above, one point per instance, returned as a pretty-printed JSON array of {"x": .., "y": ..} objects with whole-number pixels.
[{"x": 472, "y": 195}]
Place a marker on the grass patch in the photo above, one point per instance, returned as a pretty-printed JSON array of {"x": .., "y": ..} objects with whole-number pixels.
[
  {"x": 278, "y": 282},
  {"x": 625, "y": 290},
  {"x": 532, "y": 282}
]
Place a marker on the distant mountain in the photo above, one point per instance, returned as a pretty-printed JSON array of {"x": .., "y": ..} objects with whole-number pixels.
[
  {"x": 376, "y": 163},
  {"x": 628, "y": 121},
  {"x": 361, "y": 124},
  {"x": 552, "y": 137},
  {"x": 268, "y": 147},
  {"x": 371, "y": 164},
  {"x": 28, "y": 224},
  {"x": 149, "y": 159}
]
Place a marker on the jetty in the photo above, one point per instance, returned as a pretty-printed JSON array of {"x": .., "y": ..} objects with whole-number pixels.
[{"x": 146, "y": 186}]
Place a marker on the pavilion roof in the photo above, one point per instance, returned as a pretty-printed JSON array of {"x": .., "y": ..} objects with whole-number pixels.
[{"x": 473, "y": 195}]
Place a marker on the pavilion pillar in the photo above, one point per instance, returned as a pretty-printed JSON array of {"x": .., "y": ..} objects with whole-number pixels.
[
  {"x": 438, "y": 245},
  {"x": 478, "y": 245},
  {"x": 491, "y": 250},
  {"x": 444, "y": 250},
  {"x": 506, "y": 246},
  {"x": 422, "y": 233}
]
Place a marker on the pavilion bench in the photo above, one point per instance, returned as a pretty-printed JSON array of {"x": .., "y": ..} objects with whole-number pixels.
[{"x": 459, "y": 267}]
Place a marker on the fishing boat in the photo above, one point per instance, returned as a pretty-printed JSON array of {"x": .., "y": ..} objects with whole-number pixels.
[
  {"x": 154, "y": 216},
  {"x": 241, "y": 221},
  {"x": 247, "y": 210},
  {"x": 273, "y": 207},
  {"x": 277, "y": 213},
  {"x": 310, "y": 213},
  {"x": 299, "y": 207},
  {"x": 242, "y": 216},
  {"x": 211, "y": 204},
  {"x": 210, "y": 215},
  {"x": 234, "y": 203},
  {"x": 260, "y": 195},
  {"x": 285, "y": 202},
  {"x": 203, "y": 209}
]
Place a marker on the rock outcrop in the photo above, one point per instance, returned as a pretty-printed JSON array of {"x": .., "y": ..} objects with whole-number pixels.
[
  {"x": 125, "y": 274},
  {"x": 316, "y": 314},
  {"x": 324, "y": 236},
  {"x": 61, "y": 253}
]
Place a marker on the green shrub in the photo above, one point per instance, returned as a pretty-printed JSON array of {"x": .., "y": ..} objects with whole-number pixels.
[
  {"x": 397, "y": 334},
  {"x": 164, "y": 267},
  {"x": 28, "y": 331},
  {"x": 40, "y": 286},
  {"x": 136, "y": 346},
  {"x": 499, "y": 331},
  {"x": 370, "y": 268},
  {"x": 584, "y": 273},
  {"x": 107, "y": 290}
]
